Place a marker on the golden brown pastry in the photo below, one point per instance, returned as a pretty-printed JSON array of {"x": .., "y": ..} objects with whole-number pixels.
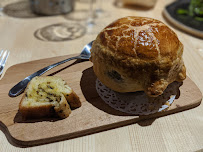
[
  {"x": 48, "y": 96},
  {"x": 138, "y": 54}
]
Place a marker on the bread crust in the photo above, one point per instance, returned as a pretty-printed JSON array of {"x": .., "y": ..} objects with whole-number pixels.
[
  {"x": 138, "y": 54},
  {"x": 60, "y": 106},
  {"x": 42, "y": 111},
  {"x": 73, "y": 100}
]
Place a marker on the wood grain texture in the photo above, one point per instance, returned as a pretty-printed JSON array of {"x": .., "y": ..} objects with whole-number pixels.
[{"x": 94, "y": 115}]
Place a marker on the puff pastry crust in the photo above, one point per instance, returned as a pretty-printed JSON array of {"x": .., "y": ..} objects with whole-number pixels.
[{"x": 138, "y": 54}]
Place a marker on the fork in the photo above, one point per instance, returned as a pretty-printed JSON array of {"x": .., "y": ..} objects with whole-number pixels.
[{"x": 3, "y": 58}]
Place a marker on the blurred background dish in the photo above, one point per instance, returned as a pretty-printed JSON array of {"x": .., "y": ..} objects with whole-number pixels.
[
  {"x": 144, "y": 3},
  {"x": 186, "y": 15},
  {"x": 52, "y": 7}
]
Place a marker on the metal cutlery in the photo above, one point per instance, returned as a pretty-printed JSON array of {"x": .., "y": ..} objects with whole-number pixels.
[
  {"x": 19, "y": 88},
  {"x": 3, "y": 58}
]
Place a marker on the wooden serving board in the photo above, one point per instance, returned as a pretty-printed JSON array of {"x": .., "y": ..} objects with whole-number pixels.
[{"x": 94, "y": 115}]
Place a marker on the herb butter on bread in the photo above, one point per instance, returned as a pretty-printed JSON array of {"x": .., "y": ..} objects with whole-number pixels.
[{"x": 48, "y": 96}]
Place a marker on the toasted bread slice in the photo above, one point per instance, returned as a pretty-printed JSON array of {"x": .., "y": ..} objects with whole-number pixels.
[{"x": 48, "y": 96}]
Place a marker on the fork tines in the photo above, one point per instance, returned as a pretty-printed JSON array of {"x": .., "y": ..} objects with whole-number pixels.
[{"x": 3, "y": 58}]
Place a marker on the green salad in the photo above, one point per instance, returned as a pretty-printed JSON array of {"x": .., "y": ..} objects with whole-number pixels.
[{"x": 195, "y": 10}]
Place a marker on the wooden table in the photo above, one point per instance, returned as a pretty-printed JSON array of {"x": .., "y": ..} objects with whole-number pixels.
[{"x": 178, "y": 132}]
